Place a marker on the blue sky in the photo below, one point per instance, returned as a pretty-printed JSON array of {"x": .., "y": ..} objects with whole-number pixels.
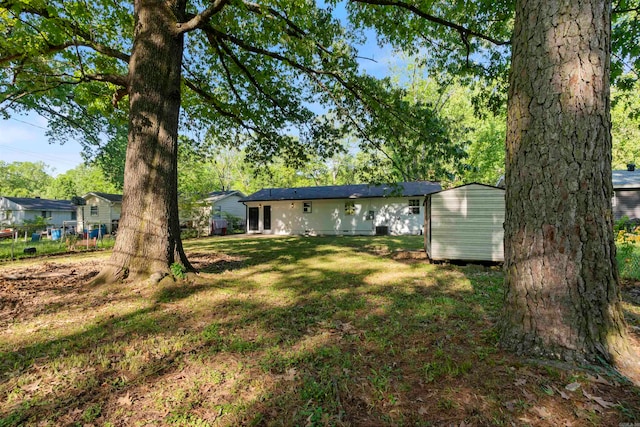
[{"x": 23, "y": 139}]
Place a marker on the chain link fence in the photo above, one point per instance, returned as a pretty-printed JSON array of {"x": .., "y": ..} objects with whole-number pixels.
[{"x": 628, "y": 256}]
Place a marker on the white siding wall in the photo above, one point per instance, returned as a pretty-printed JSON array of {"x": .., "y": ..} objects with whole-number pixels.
[
  {"x": 329, "y": 216},
  {"x": 10, "y": 213},
  {"x": 106, "y": 213},
  {"x": 232, "y": 206},
  {"x": 466, "y": 223}
]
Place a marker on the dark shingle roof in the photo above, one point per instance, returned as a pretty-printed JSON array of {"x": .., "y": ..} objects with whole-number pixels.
[
  {"x": 36, "y": 204},
  {"x": 106, "y": 196},
  {"x": 357, "y": 191},
  {"x": 625, "y": 179}
]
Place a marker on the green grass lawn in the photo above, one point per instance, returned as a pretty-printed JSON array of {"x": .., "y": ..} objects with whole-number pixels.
[
  {"x": 628, "y": 256},
  {"x": 10, "y": 249},
  {"x": 291, "y": 331}
]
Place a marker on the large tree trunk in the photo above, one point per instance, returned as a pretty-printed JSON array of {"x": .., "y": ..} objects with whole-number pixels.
[
  {"x": 562, "y": 298},
  {"x": 148, "y": 239}
]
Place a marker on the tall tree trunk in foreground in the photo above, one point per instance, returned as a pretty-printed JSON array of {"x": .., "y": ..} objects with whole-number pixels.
[
  {"x": 562, "y": 297},
  {"x": 148, "y": 239}
]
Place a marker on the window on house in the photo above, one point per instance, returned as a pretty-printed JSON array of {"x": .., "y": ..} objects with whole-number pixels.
[
  {"x": 414, "y": 206},
  {"x": 73, "y": 216},
  {"x": 306, "y": 207},
  {"x": 94, "y": 211},
  {"x": 371, "y": 215},
  {"x": 217, "y": 211},
  {"x": 349, "y": 208}
]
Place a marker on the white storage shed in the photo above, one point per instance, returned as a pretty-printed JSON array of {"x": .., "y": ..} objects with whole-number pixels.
[{"x": 465, "y": 223}]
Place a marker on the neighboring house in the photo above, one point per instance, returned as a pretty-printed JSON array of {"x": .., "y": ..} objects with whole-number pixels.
[
  {"x": 15, "y": 210},
  {"x": 225, "y": 204},
  {"x": 339, "y": 210},
  {"x": 626, "y": 193},
  {"x": 465, "y": 223},
  {"x": 101, "y": 209}
]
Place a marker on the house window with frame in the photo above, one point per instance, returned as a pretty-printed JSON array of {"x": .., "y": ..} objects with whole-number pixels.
[
  {"x": 349, "y": 208},
  {"x": 306, "y": 207},
  {"x": 94, "y": 211},
  {"x": 371, "y": 215},
  {"x": 217, "y": 211},
  {"x": 414, "y": 206}
]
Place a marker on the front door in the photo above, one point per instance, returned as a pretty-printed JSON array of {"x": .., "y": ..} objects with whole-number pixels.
[
  {"x": 253, "y": 219},
  {"x": 267, "y": 217}
]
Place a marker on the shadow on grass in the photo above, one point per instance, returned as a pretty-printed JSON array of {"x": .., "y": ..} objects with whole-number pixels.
[{"x": 303, "y": 332}]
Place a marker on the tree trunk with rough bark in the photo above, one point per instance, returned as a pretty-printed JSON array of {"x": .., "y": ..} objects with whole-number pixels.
[
  {"x": 148, "y": 240},
  {"x": 562, "y": 299}
]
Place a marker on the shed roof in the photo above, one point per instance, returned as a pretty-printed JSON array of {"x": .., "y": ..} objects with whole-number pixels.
[
  {"x": 38, "y": 204},
  {"x": 625, "y": 179},
  {"x": 356, "y": 191},
  {"x": 492, "y": 187},
  {"x": 114, "y": 198}
]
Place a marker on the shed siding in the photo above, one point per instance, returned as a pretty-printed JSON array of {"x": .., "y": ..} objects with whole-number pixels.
[
  {"x": 466, "y": 223},
  {"x": 329, "y": 216},
  {"x": 626, "y": 203}
]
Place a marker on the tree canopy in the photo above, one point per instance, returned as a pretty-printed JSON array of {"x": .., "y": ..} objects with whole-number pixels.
[{"x": 277, "y": 78}]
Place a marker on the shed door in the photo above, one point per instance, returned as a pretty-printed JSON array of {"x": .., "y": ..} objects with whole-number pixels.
[
  {"x": 253, "y": 219},
  {"x": 267, "y": 217}
]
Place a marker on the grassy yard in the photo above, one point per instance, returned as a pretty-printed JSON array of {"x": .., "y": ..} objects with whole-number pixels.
[
  {"x": 10, "y": 248},
  {"x": 286, "y": 331}
]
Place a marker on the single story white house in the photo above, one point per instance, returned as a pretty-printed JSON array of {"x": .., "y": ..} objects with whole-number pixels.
[
  {"x": 15, "y": 210},
  {"x": 340, "y": 209},
  {"x": 99, "y": 210},
  {"x": 465, "y": 223}
]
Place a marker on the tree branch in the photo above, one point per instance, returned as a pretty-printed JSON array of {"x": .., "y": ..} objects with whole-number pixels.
[
  {"x": 116, "y": 79},
  {"x": 251, "y": 79},
  {"x": 87, "y": 38},
  {"x": 201, "y": 18},
  {"x": 436, "y": 20},
  {"x": 296, "y": 30},
  {"x": 216, "y": 106}
]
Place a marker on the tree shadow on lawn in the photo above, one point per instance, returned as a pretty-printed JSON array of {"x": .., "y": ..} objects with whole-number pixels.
[
  {"x": 630, "y": 290},
  {"x": 290, "y": 249},
  {"x": 329, "y": 338}
]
